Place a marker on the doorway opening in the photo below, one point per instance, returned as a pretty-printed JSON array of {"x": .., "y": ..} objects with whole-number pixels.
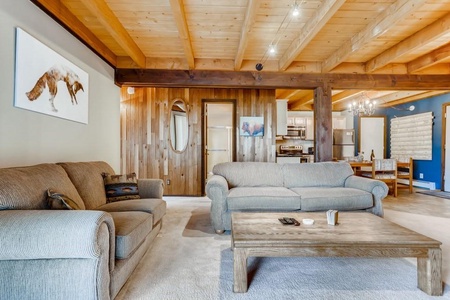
[{"x": 218, "y": 136}]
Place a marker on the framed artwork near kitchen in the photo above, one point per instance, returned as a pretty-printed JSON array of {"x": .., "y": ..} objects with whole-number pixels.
[
  {"x": 48, "y": 83},
  {"x": 251, "y": 126}
]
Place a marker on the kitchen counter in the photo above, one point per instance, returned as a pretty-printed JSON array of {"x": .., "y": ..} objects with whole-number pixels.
[{"x": 296, "y": 158}]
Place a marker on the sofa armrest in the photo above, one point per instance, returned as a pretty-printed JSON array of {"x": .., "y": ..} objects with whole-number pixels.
[
  {"x": 54, "y": 234},
  {"x": 217, "y": 190},
  {"x": 151, "y": 188},
  {"x": 377, "y": 188}
]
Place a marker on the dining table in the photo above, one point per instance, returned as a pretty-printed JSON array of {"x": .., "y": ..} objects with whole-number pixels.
[{"x": 357, "y": 165}]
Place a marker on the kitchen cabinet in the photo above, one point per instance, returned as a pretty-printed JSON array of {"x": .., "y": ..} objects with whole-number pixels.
[
  {"x": 310, "y": 128},
  {"x": 296, "y": 121},
  {"x": 282, "y": 116},
  {"x": 339, "y": 123}
]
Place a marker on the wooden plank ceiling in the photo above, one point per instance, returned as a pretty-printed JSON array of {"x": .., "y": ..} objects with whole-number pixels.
[{"x": 403, "y": 37}]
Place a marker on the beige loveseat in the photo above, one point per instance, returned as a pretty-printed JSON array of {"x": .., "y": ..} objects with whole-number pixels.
[
  {"x": 72, "y": 254},
  {"x": 263, "y": 186}
]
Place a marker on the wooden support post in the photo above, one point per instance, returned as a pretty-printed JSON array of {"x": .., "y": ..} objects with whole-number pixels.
[{"x": 323, "y": 134}]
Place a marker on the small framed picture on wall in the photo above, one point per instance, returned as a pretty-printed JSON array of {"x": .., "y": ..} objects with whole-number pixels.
[{"x": 251, "y": 126}]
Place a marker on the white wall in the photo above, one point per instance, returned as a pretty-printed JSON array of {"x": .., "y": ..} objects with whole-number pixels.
[{"x": 28, "y": 137}]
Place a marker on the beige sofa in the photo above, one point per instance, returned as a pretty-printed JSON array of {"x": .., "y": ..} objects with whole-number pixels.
[
  {"x": 263, "y": 186},
  {"x": 72, "y": 254}
]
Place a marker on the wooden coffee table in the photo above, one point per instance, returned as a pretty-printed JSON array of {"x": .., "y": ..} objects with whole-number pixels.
[{"x": 358, "y": 234}]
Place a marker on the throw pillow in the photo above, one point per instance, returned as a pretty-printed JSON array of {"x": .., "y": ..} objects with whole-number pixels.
[
  {"x": 60, "y": 201},
  {"x": 121, "y": 187}
]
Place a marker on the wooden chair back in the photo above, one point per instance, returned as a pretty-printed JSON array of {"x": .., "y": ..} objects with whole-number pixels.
[
  {"x": 405, "y": 171},
  {"x": 386, "y": 171}
]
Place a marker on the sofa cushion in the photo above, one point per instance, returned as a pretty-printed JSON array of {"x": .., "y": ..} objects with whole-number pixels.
[
  {"x": 325, "y": 198},
  {"x": 157, "y": 207},
  {"x": 120, "y": 187},
  {"x": 26, "y": 187},
  {"x": 240, "y": 174},
  {"x": 321, "y": 174},
  {"x": 131, "y": 229},
  {"x": 87, "y": 178},
  {"x": 60, "y": 201},
  {"x": 262, "y": 198}
]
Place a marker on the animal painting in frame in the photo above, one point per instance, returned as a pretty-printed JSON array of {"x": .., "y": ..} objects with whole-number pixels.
[
  {"x": 251, "y": 126},
  {"x": 48, "y": 83}
]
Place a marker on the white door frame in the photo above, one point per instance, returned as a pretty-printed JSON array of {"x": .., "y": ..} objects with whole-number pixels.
[
  {"x": 370, "y": 138},
  {"x": 445, "y": 157}
]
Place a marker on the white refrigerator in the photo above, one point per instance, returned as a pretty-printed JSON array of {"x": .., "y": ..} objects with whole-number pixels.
[{"x": 343, "y": 143}]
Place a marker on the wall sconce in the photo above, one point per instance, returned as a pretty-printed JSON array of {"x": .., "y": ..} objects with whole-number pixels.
[{"x": 130, "y": 90}]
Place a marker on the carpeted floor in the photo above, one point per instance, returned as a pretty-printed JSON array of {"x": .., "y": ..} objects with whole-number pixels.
[
  {"x": 435, "y": 193},
  {"x": 189, "y": 261},
  {"x": 323, "y": 278}
]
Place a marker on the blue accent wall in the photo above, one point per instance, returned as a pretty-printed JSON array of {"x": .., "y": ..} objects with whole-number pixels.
[{"x": 431, "y": 169}]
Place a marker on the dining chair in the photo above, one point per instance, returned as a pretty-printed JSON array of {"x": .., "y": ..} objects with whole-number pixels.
[
  {"x": 384, "y": 170},
  {"x": 405, "y": 171}
]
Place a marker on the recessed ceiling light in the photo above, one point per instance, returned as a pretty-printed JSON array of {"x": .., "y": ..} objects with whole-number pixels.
[
  {"x": 272, "y": 49},
  {"x": 296, "y": 11}
]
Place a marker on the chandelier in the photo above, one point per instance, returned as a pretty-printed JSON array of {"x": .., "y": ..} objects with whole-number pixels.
[{"x": 364, "y": 107}]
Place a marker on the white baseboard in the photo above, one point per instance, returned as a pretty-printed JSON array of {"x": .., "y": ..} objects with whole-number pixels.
[{"x": 420, "y": 183}]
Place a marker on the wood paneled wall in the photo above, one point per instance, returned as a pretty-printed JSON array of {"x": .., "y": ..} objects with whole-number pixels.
[{"x": 145, "y": 140}]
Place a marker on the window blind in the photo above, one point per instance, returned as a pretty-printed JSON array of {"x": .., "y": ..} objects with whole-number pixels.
[{"x": 411, "y": 136}]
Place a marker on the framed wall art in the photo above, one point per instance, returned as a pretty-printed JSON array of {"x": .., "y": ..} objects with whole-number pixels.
[
  {"x": 48, "y": 83},
  {"x": 251, "y": 126}
]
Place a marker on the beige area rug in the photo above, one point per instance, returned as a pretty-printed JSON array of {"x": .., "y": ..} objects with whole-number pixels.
[
  {"x": 189, "y": 261},
  {"x": 184, "y": 260},
  {"x": 434, "y": 227}
]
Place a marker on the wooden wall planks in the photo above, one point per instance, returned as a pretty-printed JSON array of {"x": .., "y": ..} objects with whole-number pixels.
[{"x": 146, "y": 149}]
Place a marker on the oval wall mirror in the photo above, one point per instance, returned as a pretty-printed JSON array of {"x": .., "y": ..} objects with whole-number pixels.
[{"x": 179, "y": 128}]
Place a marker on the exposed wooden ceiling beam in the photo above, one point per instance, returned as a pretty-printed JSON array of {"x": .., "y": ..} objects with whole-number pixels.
[
  {"x": 308, "y": 98},
  {"x": 305, "y": 107},
  {"x": 285, "y": 94},
  {"x": 342, "y": 100},
  {"x": 250, "y": 16},
  {"x": 108, "y": 19},
  {"x": 429, "y": 59},
  {"x": 397, "y": 96},
  {"x": 341, "y": 106},
  {"x": 125, "y": 62},
  {"x": 426, "y": 94},
  {"x": 385, "y": 20},
  {"x": 61, "y": 13},
  {"x": 344, "y": 97},
  {"x": 183, "y": 31},
  {"x": 320, "y": 17},
  {"x": 419, "y": 39},
  {"x": 442, "y": 68},
  {"x": 179, "y": 63},
  {"x": 374, "y": 95},
  {"x": 197, "y": 78},
  {"x": 305, "y": 98}
]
